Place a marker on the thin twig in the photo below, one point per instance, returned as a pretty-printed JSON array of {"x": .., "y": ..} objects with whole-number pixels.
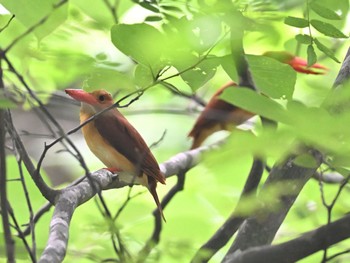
[
  {"x": 7, "y": 24},
  {"x": 30, "y": 208},
  {"x": 329, "y": 207},
  {"x": 155, "y": 237},
  {"x": 20, "y": 234},
  {"x": 113, "y": 9}
]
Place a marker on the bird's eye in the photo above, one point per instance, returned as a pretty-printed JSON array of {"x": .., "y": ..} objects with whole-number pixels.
[{"x": 101, "y": 98}]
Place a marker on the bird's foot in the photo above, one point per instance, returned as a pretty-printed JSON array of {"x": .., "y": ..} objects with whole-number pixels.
[{"x": 113, "y": 170}]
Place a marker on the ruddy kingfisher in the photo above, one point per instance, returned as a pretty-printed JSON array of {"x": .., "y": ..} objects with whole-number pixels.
[{"x": 116, "y": 142}]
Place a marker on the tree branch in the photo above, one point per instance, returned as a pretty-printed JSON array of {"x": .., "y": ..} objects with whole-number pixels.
[
  {"x": 9, "y": 243},
  {"x": 71, "y": 197},
  {"x": 45, "y": 190},
  {"x": 344, "y": 72},
  {"x": 67, "y": 201},
  {"x": 298, "y": 248},
  {"x": 231, "y": 225},
  {"x": 260, "y": 229}
]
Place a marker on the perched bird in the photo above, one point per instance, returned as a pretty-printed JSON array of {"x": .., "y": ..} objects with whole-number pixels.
[
  {"x": 116, "y": 142},
  {"x": 297, "y": 63},
  {"x": 217, "y": 115}
]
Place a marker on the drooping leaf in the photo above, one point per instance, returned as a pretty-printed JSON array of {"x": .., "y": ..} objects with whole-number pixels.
[
  {"x": 303, "y": 39},
  {"x": 40, "y": 9},
  {"x": 327, "y": 29},
  {"x": 272, "y": 77},
  {"x": 296, "y": 22},
  {"x": 325, "y": 50},
  {"x": 250, "y": 100},
  {"x": 311, "y": 55},
  {"x": 324, "y": 11}
]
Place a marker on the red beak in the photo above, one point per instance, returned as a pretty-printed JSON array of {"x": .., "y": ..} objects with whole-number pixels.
[{"x": 81, "y": 95}]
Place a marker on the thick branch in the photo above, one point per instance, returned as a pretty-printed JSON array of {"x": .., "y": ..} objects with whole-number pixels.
[
  {"x": 9, "y": 243},
  {"x": 260, "y": 229},
  {"x": 297, "y": 248},
  {"x": 344, "y": 72},
  {"x": 71, "y": 197},
  {"x": 68, "y": 200},
  {"x": 231, "y": 225}
]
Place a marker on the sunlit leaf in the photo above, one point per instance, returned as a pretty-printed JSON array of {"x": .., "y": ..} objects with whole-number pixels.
[
  {"x": 273, "y": 78},
  {"x": 108, "y": 79},
  {"x": 228, "y": 65},
  {"x": 143, "y": 76},
  {"x": 97, "y": 10},
  {"x": 142, "y": 42},
  {"x": 42, "y": 8},
  {"x": 197, "y": 76}
]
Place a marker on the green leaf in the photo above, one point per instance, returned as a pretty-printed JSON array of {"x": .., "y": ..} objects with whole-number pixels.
[
  {"x": 108, "y": 79},
  {"x": 325, "y": 50},
  {"x": 273, "y": 78},
  {"x": 304, "y": 39},
  {"x": 324, "y": 11},
  {"x": 200, "y": 74},
  {"x": 196, "y": 34},
  {"x": 311, "y": 56},
  {"x": 250, "y": 100},
  {"x": 142, "y": 42},
  {"x": 149, "y": 7},
  {"x": 327, "y": 29},
  {"x": 143, "y": 76},
  {"x": 229, "y": 66},
  {"x": 153, "y": 18},
  {"x": 296, "y": 22},
  {"x": 171, "y": 8},
  {"x": 40, "y": 9}
]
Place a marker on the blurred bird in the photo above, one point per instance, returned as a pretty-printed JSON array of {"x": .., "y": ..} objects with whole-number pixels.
[
  {"x": 219, "y": 115},
  {"x": 116, "y": 142},
  {"x": 297, "y": 63}
]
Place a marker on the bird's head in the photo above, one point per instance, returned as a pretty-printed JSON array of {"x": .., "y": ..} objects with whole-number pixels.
[{"x": 92, "y": 102}]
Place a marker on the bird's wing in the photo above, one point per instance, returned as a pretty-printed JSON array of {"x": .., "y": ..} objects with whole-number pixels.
[{"x": 126, "y": 140}]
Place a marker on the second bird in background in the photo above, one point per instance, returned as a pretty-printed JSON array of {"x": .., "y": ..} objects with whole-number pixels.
[{"x": 219, "y": 115}]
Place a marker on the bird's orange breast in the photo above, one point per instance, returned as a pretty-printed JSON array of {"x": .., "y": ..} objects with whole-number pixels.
[{"x": 108, "y": 154}]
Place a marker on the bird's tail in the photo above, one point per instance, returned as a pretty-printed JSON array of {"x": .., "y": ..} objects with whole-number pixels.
[{"x": 152, "y": 184}]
